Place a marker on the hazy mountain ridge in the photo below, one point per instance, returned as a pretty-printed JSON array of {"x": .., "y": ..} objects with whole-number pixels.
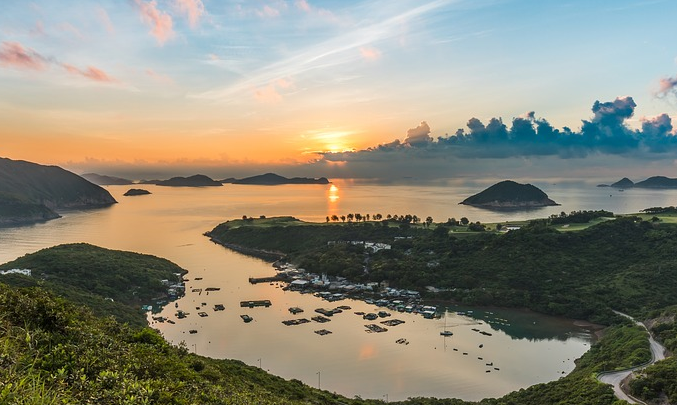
[
  {"x": 651, "y": 182},
  {"x": 510, "y": 194},
  {"x": 30, "y": 192},
  {"x": 104, "y": 180},
  {"x": 272, "y": 179}
]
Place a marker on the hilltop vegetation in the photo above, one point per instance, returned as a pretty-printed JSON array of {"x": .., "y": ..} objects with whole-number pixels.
[
  {"x": 109, "y": 282},
  {"x": 625, "y": 264},
  {"x": 509, "y": 194},
  {"x": 30, "y": 192}
]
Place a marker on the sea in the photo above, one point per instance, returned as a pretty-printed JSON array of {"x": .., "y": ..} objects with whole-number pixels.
[{"x": 518, "y": 348}]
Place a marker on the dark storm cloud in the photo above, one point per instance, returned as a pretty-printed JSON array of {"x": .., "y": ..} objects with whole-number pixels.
[{"x": 606, "y": 132}]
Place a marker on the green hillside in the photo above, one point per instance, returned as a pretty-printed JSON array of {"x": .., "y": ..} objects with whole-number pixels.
[
  {"x": 109, "y": 282},
  {"x": 510, "y": 194},
  {"x": 30, "y": 192}
]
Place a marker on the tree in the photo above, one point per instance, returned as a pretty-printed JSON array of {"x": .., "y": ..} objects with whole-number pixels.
[
  {"x": 350, "y": 217},
  {"x": 367, "y": 217},
  {"x": 464, "y": 221},
  {"x": 327, "y": 218},
  {"x": 428, "y": 221},
  {"x": 358, "y": 217},
  {"x": 335, "y": 218},
  {"x": 343, "y": 218},
  {"x": 499, "y": 227},
  {"x": 389, "y": 216}
]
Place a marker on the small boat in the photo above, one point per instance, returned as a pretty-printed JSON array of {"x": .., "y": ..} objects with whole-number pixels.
[
  {"x": 446, "y": 333},
  {"x": 246, "y": 318},
  {"x": 192, "y": 331}
]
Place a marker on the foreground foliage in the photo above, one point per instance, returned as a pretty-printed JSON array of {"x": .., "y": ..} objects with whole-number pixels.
[{"x": 110, "y": 282}]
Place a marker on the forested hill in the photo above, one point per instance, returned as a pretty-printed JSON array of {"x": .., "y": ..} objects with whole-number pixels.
[
  {"x": 31, "y": 192},
  {"x": 109, "y": 282},
  {"x": 624, "y": 264},
  {"x": 509, "y": 194}
]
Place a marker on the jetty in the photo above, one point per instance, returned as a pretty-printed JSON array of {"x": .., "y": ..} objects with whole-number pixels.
[
  {"x": 256, "y": 280},
  {"x": 255, "y": 303}
]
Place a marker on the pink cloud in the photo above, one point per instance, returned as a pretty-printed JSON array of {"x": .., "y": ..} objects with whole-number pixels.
[
  {"x": 159, "y": 77},
  {"x": 284, "y": 83},
  {"x": 666, "y": 86},
  {"x": 91, "y": 73},
  {"x": 39, "y": 30},
  {"x": 303, "y": 5},
  {"x": 267, "y": 94},
  {"x": 104, "y": 19},
  {"x": 15, "y": 55},
  {"x": 268, "y": 12},
  {"x": 160, "y": 22},
  {"x": 370, "y": 53},
  {"x": 194, "y": 9}
]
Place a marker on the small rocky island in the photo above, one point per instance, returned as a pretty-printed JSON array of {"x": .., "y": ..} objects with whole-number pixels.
[
  {"x": 651, "y": 182},
  {"x": 510, "y": 195},
  {"x": 136, "y": 191}
]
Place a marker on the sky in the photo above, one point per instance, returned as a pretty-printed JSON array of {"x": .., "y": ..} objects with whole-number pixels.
[{"x": 381, "y": 89}]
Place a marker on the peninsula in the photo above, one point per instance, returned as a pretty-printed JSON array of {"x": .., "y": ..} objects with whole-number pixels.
[
  {"x": 30, "y": 192},
  {"x": 510, "y": 195},
  {"x": 104, "y": 180}
]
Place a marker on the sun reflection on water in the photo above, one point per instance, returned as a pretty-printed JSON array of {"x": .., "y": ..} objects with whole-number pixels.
[{"x": 333, "y": 194}]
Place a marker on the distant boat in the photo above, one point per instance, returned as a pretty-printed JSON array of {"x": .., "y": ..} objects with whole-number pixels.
[
  {"x": 446, "y": 333},
  {"x": 246, "y": 318}
]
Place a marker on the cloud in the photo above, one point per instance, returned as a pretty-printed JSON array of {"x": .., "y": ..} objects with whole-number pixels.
[
  {"x": 419, "y": 135},
  {"x": 104, "y": 19},
  {"x": 13, "y": 54},
  {"x": 159, "y": 77},
  {"x": 370, "y": 53},
  {"x": 91, "y": 73},
  {"x": 303, "y": 5},
  {"x": 159, "y": 21},
  {"x": 605, "y": 134},
  {"x": 666, "y": 86},
  {"x": 267, "y": 94},
  {"x": 339, "y": 50},
  {"x": 268, "y": 12},
  {"x": 194, "y": 9}
]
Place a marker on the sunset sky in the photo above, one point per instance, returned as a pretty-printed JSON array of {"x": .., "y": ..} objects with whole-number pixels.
[{"x": 340, "y": 88}]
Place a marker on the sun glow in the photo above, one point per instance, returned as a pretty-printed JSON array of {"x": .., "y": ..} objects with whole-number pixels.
[{"x": 333, "y": 194}]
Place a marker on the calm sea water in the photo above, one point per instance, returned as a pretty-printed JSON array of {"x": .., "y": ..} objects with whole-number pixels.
[{"x": 527, "y": 348}]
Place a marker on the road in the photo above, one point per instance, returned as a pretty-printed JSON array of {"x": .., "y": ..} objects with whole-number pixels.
[{"x": 616, "y": 378}]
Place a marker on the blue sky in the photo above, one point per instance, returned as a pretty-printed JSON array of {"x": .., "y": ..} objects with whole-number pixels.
[{"x": 229, "y": 87}]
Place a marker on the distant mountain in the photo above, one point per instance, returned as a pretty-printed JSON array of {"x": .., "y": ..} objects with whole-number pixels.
[
  {"x": 272, "y": 179},
  {"x": 198, "y": 180},
  {"x": 657, "y": 182},
  {"x": 104, "y": 180},
  {"x": 30, "y": 192},
  {"x": 136, "y": 191},
  {"x": 623, "y": 183},
  {"x": 509, "y": 194}
]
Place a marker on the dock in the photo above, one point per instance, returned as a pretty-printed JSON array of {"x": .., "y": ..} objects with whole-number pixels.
[
  {"x": 255, "y": 303},
  {"x": 256, "y": 280}
]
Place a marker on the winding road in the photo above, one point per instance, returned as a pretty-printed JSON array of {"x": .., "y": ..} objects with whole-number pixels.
[{"x": 616, "y": 378}]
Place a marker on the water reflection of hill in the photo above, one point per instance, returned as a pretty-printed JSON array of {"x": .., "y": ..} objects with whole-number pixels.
[{"x": 523, "y": 324}]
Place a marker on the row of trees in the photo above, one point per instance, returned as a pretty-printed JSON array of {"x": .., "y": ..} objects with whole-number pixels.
[{"x": 357, "y": 217}]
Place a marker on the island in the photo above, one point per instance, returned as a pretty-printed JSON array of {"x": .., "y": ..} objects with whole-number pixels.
[
  {"x": 510, "y": 195},
  {"x": 136, "y": 191},
  {"x": 661, "y": 182},
  {"x": 30, "y": 192},
  {"x": 272, "y": 179},
  {"x": 198, "y": 180},
  {"x": 104, "y": 180}
]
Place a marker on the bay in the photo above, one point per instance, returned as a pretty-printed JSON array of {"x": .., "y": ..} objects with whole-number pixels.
[{"x": 526, "y": 348}]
